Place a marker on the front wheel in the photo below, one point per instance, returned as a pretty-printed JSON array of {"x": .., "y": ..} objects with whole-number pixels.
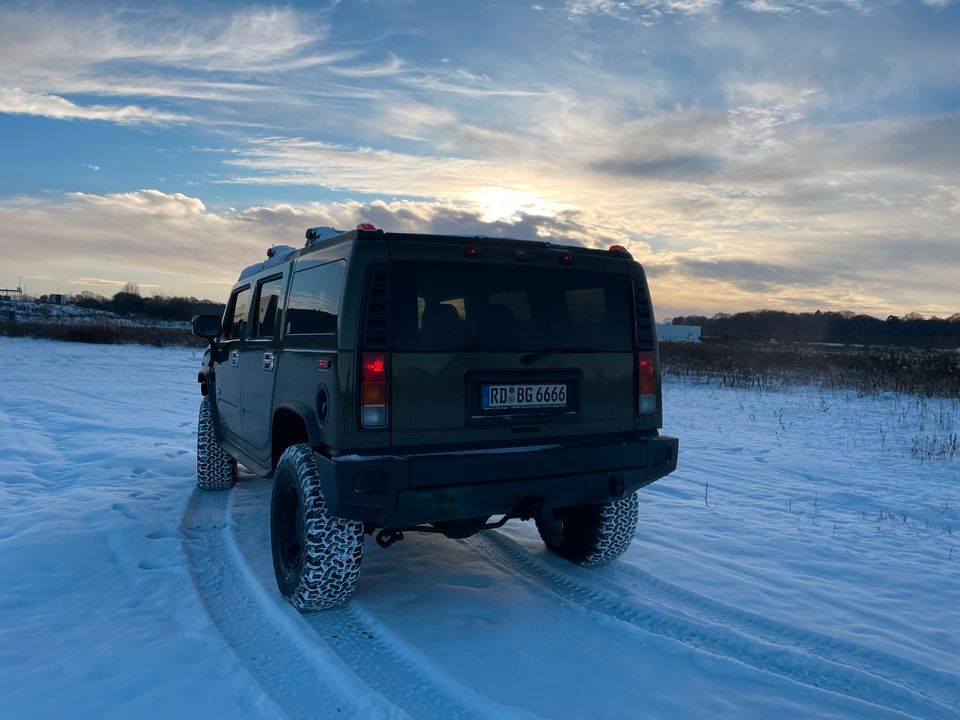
[
  {"x": 594, "y": 535},
  {"x": 216, "y": 470},
  {"x": 316, "y": 556}
]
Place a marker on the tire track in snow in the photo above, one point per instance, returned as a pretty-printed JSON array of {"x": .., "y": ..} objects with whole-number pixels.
[
  {"x": 940, "y": 686},
  {"x": 832, "y": 675},
  {"x": 403, "y": 683},
  {"x": 297, "y": 680},
  {"x": 366, "y": 646}
]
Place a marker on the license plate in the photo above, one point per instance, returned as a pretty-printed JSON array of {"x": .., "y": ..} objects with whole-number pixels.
[{"x": 506, "y": 397}]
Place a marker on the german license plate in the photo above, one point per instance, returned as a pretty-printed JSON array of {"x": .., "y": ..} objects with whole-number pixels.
[{"x": 508, "y": 397}]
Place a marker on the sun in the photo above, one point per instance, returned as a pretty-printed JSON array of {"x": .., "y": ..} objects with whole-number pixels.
[{"x": 500, "y": 204}]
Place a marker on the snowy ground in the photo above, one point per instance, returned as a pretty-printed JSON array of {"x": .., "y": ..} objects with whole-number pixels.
[{"x": 801, "y": 562}]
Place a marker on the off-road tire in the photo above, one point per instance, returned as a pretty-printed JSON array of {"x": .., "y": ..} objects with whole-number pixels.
[
  {"x": 323, "y": 571},
  {"x": 594, "y": 535},
  {"x": 216, "y": 470}
]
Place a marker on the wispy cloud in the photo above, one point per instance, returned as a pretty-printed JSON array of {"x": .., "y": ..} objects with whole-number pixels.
[
  {"x": 640, "y": 9},
  {"x": 242, "y": 39},
  {"x": 104, "y": 282},
  {"x": 17, "y": 101}
]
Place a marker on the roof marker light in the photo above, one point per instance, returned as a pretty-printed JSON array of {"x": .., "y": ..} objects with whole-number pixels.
[
  {"x": 565, "y": 259},
  {"x": 618, "y": 248},
  {"x": 366, "y": 226},
  {"x": 471, "y": 252}
]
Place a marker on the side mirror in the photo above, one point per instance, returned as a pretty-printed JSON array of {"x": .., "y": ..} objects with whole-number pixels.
[{"x": 205, "y": 326}]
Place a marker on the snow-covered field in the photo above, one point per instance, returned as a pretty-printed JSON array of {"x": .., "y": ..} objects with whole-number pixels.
[{"x": 802, "y": 562}]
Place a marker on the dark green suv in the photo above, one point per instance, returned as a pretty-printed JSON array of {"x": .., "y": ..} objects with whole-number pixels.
[{"x": 396, "y": 382}]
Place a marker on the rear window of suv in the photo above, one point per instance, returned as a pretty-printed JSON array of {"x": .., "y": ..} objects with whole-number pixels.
[{"x": 468, "y": 306}]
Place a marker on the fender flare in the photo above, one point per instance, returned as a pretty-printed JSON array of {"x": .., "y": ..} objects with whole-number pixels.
[{"x": 306, "y": 413}]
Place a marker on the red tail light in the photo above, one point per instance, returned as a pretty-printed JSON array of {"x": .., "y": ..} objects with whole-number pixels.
[
  {"x": 646, "y": 382},
  {"x": 373, "y": 390}
]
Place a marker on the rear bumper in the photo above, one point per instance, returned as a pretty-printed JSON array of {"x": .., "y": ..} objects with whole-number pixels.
[{"x": 403, "y": 490}]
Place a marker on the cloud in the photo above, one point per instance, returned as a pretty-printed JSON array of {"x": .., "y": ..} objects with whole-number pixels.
[
  {"x": 103, "y": 282},
  {"x": 816, "y": 143},
  {"x": 632, "y": 9},
  {"x": 676, "y": 167},
  {"x": 175, "y": 242},
  {"x": 146, "y": 202},
  {"x": 244, "y": 39},
  {"x": 648, "y": 10},
  {"x": 17, "y": 101},
  {"x": 211, "y": 61}
]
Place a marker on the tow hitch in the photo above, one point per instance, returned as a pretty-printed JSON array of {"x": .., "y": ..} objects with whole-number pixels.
[
  {"x": 386, "y": 538},
  {"x": 551, "y": 525}
]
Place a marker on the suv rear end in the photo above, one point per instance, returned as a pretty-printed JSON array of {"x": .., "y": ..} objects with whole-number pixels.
[{"x": 493, "y": 378}]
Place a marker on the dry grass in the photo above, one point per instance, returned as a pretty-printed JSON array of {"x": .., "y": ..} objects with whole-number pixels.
[
  {"x": 926, "y": 373},
  {"x": 106, "y": 333}
]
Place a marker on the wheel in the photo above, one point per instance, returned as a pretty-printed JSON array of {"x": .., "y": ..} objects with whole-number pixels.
[
  {"x": 216, "y": 470},
  {"x": 594, "y": 535},
  {"x": 316, "y": 556}
]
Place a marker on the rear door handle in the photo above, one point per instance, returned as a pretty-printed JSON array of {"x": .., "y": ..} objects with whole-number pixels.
[
  {"x": 235, "y": 357},
  {"x": 268, "y": 361}
]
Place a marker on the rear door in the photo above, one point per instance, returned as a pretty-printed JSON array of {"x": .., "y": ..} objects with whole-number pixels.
[
  {"x": 259, "y": 358},
  {"x": 228, "y": 369},
  {"x": 496, "y": 350}
]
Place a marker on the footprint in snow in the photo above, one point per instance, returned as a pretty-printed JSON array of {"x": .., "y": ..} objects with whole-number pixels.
[
  {"x": 174, "y": 454},
  {"x": 151, "y": 565},
  {"x": 160, "y": 535},
  {"x": 127, "y": 511}
]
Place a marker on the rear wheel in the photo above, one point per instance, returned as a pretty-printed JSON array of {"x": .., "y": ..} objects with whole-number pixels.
[
  {"x": 216, "y": 470},
  {"x": 316, "y": 556},
  {"x": 593, "y": 534}
]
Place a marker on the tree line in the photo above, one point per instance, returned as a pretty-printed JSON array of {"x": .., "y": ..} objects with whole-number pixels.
[
  {"x": 845, "y": 328},
  {"x": 129, "y": 301}
]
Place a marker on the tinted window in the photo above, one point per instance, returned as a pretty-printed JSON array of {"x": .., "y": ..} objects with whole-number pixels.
[
  {"x": 460, "y": 306},
  {"x": 237, "y": 317},
  {"x": 315, "y": 300},
  {"x": 268, "y": 305}
]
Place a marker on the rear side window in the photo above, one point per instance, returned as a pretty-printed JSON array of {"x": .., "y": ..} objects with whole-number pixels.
[
  {"x": 460, "y": 306},
  {"x": 268, "y": 306},
  {"x": 315, "y": 300},
  {"x": 237, "y": 315}
]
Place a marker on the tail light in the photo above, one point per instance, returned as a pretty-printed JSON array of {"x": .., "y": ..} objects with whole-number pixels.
[
  {"x": 373, "y": 390},
  {"x": 646, "y": 382}
]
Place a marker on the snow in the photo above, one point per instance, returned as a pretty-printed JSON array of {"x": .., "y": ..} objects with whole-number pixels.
[
  {"x": 277, "y": 255},
  {"x": 801, "y": 562}
]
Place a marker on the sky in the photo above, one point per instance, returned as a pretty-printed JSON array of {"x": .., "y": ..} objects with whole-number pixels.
[{"x": 789, "y": 154}]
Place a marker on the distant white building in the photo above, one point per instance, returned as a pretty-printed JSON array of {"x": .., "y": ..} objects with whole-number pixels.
[{"x": 678, "y": 333}]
